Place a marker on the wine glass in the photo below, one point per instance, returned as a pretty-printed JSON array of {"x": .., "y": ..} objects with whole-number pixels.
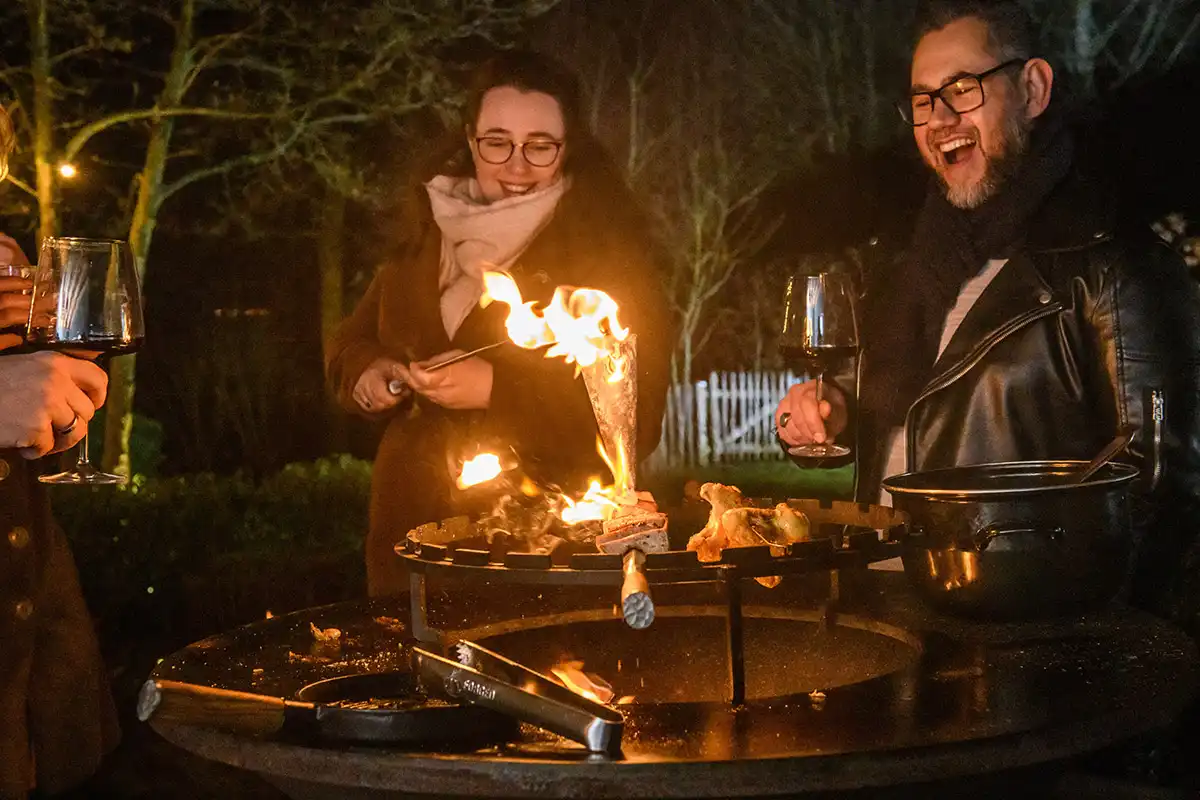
[
  {"x": 820, "y": 330},
  {"x": 86, "y": 300}
]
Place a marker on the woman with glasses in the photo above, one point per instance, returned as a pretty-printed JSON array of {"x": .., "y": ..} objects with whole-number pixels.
[{"x": 523, "y": 187}]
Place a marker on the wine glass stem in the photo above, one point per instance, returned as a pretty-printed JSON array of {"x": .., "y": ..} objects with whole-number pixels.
[{"x": 81, "y": 460}]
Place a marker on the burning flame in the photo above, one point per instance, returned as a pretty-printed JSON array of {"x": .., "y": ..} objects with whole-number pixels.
[
  {"x": 596, "y": 504},
  {"x": 580, "y": 324},
  {"x": 572, "y": 676},
  {"x": 479, "y": 469},
  {"x": 599, "y": 502}
]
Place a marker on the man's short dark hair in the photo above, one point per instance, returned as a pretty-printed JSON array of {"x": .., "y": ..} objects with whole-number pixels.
[{"x": 1010, "y": 30}]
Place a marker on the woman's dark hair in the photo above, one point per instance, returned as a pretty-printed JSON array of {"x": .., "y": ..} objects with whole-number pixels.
[
  {"x": 1010, "y": 29},
  {"x": 584, "y": 157}
]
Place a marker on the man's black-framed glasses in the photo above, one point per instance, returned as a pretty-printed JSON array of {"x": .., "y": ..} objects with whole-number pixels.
[
  {"x": 960, "y": 95},
  {"x": 499, "y": 149}
]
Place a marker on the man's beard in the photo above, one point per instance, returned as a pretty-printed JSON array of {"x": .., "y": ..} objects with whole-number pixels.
[{"x": 999, "y": 170}]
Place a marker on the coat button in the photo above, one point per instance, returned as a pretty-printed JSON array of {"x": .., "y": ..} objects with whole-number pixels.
[
  {"x": 1044, "y": 298},
  {"x": 5, "y": 469},
  {"x": 18, "y": 537},
  {"x": 23, "y": 609}
]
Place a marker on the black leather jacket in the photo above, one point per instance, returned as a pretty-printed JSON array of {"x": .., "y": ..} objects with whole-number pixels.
[{"x": 1063, "y": 347}]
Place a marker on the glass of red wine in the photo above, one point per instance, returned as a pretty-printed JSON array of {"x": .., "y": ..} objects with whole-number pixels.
[
  {"x": 86, "y": 302},
  {"x": 820, "y": 332}
]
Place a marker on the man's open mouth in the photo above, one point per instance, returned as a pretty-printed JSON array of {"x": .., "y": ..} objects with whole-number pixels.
[{"x": 957, "y": 149}]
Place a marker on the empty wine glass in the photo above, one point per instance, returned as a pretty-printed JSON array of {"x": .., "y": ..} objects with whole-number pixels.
[
  {"x": 86, "y": 301},
  {"x": 820, "y": 330}
]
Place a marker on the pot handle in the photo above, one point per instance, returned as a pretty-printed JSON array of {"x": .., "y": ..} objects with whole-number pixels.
[{"x": 986, "y": 536}]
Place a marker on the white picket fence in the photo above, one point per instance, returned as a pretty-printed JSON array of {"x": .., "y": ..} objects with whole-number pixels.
[{"x": 727, "y": 418}]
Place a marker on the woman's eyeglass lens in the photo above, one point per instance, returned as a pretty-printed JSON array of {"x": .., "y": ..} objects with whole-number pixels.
[{"x": 498, "y": 150}]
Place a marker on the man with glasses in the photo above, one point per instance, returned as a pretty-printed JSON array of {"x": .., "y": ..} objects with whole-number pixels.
[
  {"x": 56, "y": 711},
  {"x": 1025, "y": 321}
]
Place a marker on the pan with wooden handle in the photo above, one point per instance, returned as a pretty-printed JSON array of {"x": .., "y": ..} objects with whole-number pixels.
[{"x": 384, "y": 708}]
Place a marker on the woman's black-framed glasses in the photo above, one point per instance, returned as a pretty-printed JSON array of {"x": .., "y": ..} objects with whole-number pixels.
[
  {"x": 499, "y": 149},
  {"x": 960, "y": 95}
]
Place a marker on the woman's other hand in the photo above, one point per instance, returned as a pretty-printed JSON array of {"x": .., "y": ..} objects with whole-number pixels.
[
  {"x": 371, "y": 392},
  {"x": 15, "y": 287},
  {"x": 799, "y": 421},
  {"x": 462, "y": 386}
]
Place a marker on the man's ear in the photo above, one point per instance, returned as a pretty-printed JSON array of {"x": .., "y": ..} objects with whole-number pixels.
[{"x": 1037, "y": 79}]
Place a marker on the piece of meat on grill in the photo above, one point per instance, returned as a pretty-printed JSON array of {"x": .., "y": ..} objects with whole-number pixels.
[
  {"x": 749, "y": 527},
  {"x": 710, "y": 541},
  {"x": 732, "y": 522}
]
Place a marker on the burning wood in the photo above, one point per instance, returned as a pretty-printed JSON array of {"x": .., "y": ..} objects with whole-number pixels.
[
  {"x": 480, "y": 469},
  {"x": 571, "y": 675},
  {"x": 734, "y": 522}
]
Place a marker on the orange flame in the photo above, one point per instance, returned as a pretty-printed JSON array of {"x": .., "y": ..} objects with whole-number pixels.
[
  {"x": 481, "y": 468},
  {"x": 599, "y": 502},
  {"x": 593, "y": 687},
  {"x": 580, "y": 324}
]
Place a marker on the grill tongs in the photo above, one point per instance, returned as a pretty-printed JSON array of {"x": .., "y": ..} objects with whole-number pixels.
[{"x": 488, "y": 679}]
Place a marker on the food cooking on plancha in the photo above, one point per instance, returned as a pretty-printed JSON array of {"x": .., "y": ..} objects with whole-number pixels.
[{"x": 734, "y": 522}]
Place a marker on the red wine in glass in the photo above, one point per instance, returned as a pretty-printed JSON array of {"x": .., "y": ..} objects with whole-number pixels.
[
  {"x": 820, "y": 332},
  {"x": 86, "y": 300}
]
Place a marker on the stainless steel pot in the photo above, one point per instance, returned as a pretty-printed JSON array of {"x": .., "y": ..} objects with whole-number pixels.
[{"x": 1016, "y": 540}]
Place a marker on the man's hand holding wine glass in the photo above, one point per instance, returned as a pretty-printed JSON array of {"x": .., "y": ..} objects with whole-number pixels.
[
  {"x": 48, "y": 400},
  {"x": 820, "y": 332},
  {"x": 799, "y": 421}
]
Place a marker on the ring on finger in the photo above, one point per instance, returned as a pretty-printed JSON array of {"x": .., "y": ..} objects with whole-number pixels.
[
  {"x": 66, "y": 430},
  {"x": 784, "y": 419}
]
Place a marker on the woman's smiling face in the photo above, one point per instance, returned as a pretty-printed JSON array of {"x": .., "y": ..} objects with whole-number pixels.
[{"x": 524, "y": 118}]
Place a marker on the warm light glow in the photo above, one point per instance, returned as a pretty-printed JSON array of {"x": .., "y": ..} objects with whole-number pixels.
[
  {"x": 67, "y": 170},
  {"x": 580, "y": 324},
  {"x": 599, "y": 502},
  {"x": 596, "y": 504},
  {"x": 593, "y": 687},
  {"x": 479, "y": 469}
]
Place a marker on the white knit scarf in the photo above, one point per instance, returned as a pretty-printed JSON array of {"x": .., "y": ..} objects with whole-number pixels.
[{"x": 478, "y": 236}]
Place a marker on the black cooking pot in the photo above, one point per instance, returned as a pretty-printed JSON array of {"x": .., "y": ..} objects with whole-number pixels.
[{"x": 1017, "y": 540}]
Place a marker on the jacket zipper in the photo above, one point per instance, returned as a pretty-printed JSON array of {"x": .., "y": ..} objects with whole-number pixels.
[
  {"x": 1158, "y": 415},
  {"x": 951, "y": 375}
]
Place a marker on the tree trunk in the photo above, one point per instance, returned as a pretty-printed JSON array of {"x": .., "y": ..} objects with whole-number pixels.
[
  {"x": 330, "y": 263},
  {"x": 119, "y": 413},
  {"x": 43, "y": 119},
  {"x": 1083, "y": 39}
]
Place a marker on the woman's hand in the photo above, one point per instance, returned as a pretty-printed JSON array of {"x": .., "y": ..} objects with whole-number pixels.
[
  {"x": 46, "y": 401},
  {"x": 15, "y": 287},
  {"x": 462, "y": 386},
  {"x": 799, "y": 421},
  {"x": 371, "y": 391}
]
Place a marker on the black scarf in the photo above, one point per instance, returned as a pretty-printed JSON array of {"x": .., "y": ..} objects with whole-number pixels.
[{"x": 904, "y": 316}]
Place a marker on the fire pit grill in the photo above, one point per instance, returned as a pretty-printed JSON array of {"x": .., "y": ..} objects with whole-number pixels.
[{"x": 844, "y": 546}]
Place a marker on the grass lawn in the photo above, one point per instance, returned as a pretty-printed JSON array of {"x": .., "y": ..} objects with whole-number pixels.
[{"x": 777, "y": 479}]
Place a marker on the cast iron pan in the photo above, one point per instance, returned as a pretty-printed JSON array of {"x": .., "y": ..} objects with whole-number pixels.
[{"x": 385, "y": 708}]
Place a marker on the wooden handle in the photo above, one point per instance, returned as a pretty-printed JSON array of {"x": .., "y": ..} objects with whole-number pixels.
[
  {"x": 637, "y": 606},
  {"x": 189, "y": 704}
]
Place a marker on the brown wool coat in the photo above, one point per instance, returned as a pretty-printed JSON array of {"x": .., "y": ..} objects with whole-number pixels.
[
  {"x": 537, "y": 406},
  {"x": 56, "y": 709}
]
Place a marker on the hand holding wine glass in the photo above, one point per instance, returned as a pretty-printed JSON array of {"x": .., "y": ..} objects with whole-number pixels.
[
  {"x": 86, "y": 301},
  {"x": 820, "y": 330}
]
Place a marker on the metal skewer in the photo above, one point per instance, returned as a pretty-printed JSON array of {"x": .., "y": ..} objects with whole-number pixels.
[{"x": 397, "y": 386}]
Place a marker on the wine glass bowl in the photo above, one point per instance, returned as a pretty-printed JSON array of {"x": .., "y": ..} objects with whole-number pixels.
[
  {"x": 86, "y": 300},
  {"x": 820, "y": 332}
]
